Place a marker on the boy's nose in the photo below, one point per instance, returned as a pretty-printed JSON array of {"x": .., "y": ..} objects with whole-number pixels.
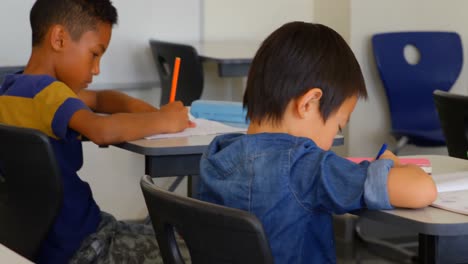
[{"x": 96, "y": 70}]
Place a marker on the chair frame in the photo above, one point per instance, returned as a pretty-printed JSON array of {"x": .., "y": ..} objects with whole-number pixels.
[
  {"x": 191, "y": 79},
  {"x": 31, "y": 190},
  {"x": 452, "y": 110},
  {"x": 213, "y": 233}
]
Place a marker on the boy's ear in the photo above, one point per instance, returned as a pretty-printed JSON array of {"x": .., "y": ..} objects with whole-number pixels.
[
  {"x": 58, "y": 37},
  {"x": 309, "y": 102}
]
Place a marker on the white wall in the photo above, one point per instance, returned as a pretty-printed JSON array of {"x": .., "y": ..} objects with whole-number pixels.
[
  {"x": 127, "y": 62},
  {"x": 370, "y": 123},
  {"x": 335, "y": 14},
  {"x": 251, "y": 20},
  {"x": 225, "y": 20},
  {"x": 15, "y": 32}
]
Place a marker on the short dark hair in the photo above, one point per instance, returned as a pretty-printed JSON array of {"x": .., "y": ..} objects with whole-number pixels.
[
  {"x": 77, "y": 16},
  {"x": 295, "y": 58}
]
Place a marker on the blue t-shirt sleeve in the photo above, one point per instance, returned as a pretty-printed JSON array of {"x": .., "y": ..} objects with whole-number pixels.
[
  {"x": 57, "y": 103},
  {"x": 64, "y": 113},
  {"x": 322, "y": 180},
  {"x": 375, "y": 186}
]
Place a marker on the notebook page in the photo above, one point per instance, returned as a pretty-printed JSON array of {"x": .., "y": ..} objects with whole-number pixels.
[
  {"x": 453, "y": 181},
  {"x": 455, "y": 201},
  {"x": 452, "y": 191},
  {"x": 204, "y": 127}
]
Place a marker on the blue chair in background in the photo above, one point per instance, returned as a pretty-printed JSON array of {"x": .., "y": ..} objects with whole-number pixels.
[{"x": 409, "y": 87}]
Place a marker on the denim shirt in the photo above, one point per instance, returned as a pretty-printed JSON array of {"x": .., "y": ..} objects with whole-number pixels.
[{"x": 293, "y": 187}]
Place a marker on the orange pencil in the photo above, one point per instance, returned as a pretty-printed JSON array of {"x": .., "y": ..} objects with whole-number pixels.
[{"x": 175, "y": 77}]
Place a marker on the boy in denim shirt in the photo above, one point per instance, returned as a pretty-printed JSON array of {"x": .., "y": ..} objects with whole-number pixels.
[{"x": 303, "y": 85}]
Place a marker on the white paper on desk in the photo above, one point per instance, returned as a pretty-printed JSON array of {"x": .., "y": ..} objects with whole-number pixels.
[
  {"x": 204, "y": 127},
  {"x": 453, "y": 181},
  {"x": 452, "y": 191}
]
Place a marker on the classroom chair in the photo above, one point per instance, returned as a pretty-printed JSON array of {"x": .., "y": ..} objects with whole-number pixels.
[
  {"x": 4, "y": 70},
  {"x": 409, "y": 86},
  {"x": 30, "y": 189},
  {"x": 190, "y": 81},
  {"x": 453, "y": 115},
  {"x": 213, "y": 233}
]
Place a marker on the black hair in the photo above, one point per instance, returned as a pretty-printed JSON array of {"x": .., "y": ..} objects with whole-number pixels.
[
  {"x": 292, "y": 60},
  {"x": 77, "y": 16}
]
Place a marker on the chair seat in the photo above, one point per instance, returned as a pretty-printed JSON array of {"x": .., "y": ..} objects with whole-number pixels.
[{"x": 428, "y": 138}]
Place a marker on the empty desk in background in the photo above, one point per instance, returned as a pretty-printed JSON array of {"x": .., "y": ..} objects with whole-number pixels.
[
  {"x": 177, "y": 156},
  {"x": 232, "y": 57},
  {"x": 442, "y": 234}
]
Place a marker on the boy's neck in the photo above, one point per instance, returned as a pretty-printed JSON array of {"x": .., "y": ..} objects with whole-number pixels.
[
  {"x": 39, "y": 62},
  {"x": 265, "y": 127}
]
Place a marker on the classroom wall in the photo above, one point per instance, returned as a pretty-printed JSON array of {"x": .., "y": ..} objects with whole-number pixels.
[
  {"x": 128, "y": 62},
  {"x": 335, "y": 14},
  {"x": 224, "y": 20},
  {"x": 370, "y": 124},
  {"x": 251, "y": 20}
]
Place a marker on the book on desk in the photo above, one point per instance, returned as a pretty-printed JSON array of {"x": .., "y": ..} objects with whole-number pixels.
[
  {"x": 212, "y": 117},
  {"x": 452, "y": 189}
]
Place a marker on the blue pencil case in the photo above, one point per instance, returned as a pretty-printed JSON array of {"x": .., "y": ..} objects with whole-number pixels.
[{"x": 222, "y": 111}]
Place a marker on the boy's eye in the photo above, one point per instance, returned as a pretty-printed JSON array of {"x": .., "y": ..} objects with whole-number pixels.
[{"x": 340, "y": 129}]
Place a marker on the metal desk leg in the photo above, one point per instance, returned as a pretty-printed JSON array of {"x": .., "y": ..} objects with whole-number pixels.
[
  {"x": 193, "y": 186},
  {"x": 443, "y": 249}
]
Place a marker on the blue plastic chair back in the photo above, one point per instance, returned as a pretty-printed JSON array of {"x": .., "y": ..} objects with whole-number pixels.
[{"x": 409, "y": 87}]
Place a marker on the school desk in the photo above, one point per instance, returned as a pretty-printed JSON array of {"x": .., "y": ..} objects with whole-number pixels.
[
  {"x": 232, "y": 57},
  {"x": 177, "y": 156},
  {"x": 443, "y": 235}
]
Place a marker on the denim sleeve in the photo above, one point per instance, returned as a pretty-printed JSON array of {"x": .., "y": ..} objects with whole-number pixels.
[{"x": 375, "y": 185}]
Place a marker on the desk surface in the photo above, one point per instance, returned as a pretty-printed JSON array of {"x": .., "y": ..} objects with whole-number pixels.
[
  {"x": 429, "y": 220},
  {"x": 227, "y": 51},
  {"x": 233, "y": 57},
  {"x": 179, "y": 146}
]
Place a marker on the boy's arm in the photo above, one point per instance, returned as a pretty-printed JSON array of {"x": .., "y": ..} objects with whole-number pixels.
[
  {"x": 120, "y": 127},
  {"x": 409, "y": 186},
  {"x": 110, "y": 102}
]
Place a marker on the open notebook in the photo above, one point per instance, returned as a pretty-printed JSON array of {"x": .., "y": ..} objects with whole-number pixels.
[
  {"x": 452, "y": 191},
  {"x": 204, "y": 127}
]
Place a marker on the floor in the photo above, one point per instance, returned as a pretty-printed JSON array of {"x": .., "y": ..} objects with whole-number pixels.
[
  {"x": 357, "y": 252},
  {"x": 351, "y": 249}
]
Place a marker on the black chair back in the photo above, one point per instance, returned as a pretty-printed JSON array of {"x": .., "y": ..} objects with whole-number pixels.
[
  {"x": 30, "y": 189},
  {"x": 4, "y": 70},
  {"x": 213, "y": 233},
  {"x": 190, "y": 82},
  {"x": 453, "y": 115}
]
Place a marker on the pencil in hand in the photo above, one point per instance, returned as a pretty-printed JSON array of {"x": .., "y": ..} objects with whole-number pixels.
[
  {"x": 175, "y": 77},
  {"x": 381, "y": 151}
]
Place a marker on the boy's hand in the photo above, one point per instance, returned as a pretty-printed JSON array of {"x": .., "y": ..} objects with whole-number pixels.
[
  {"x": 177, "y": 116},
  {"x": 389, "y": 155}
]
